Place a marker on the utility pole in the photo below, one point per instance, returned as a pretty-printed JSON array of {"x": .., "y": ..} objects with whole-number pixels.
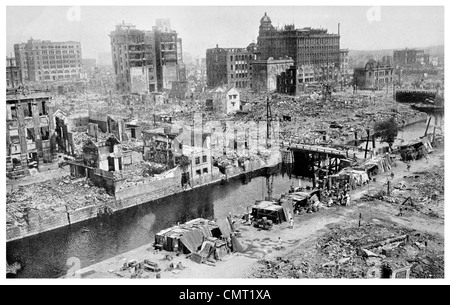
[
  {"x": 268, "y": 123},
  {"x": 367, "y": 143}
]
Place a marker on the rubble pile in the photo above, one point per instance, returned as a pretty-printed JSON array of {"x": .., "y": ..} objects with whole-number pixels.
[
  {"x": 62, "y": 193},
  {"x": 420, "y": 192},
  {"x": 79, "y": 139},
  {"x": 361, "y": 252},
  {"x": 312, "y": 114},
  {"x": 139, "y": 171}
]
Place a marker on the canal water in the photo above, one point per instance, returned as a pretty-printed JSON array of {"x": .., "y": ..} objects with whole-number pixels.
[
  {"x": 45, "y": 255},
  {"x": 412, "y": 132}
]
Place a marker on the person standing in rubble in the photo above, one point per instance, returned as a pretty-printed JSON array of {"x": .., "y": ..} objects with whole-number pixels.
[
  {"x": 291, "y": 221},
  {"x": 347, "y": 199}
]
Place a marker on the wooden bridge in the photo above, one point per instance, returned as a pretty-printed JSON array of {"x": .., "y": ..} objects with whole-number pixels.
[
  {"x": 414, "y": 95},
  {"x": 331, "y": 152},
  {"x": 312, "y": 160}
]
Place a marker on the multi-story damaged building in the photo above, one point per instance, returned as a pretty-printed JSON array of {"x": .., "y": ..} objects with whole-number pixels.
[
  {"x": 313, "y": 55},
  {"x": 146, "y": 61},
  {"x": 30, "y": 136},
  {"x": 134, "y": 59},
  {"x": 44, "y": 60},
  {"x": 374, "y": 75},
  {"x": 13, "y": 74},
  {"x": 229, "y": 67},
  {"x": 343, "y": 63},
  {"x": 306, "y": 46},
  {"x": 409, "y": 58}
]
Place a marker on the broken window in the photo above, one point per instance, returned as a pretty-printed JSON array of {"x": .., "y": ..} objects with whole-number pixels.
[
  {"x": 197, "y": 160},
  {"x": 198, "y": 172},
  {"x": 15, "y": 139},
  {"x": 204, "y": 159},
  {"x": 205, "y": 170},
  {"x": 45, "y": 133},
  {"x": 30, "y": 134},
  {"x": 27, "y": 110},
  {"x": 42, "y": 108},
  {"x": 13, "y": 113}
]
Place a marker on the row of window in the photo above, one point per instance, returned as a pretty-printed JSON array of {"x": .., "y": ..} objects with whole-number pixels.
[
  {"x": 59, "y": 52},
  {"x": 241, "y": 84},
  {"x": 199, "y": 171},
  {"x": 380, "y": 73},
  {"x": 28, "y": 110},
  {"x": 240, "y": 75},
  {"x": 57, "y": 47},
  {"x": 240, "y": 67},
  {"x": 204, "y": 159},
  {"x": 240, "y": 57}
]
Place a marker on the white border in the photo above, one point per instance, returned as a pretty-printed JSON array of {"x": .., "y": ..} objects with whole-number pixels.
[{"x": 207, "y": 281}]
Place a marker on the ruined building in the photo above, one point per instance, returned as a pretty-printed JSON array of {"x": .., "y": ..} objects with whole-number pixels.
[
  {"x": 374, "y": 75},
  {"x": 298, "y": 56},
  {"x": 410, "y": 58},
  {"x": 30, "y": 136},
  {"x": 146, "y": 61},
  {"x": 265, "y": 72},
  {"x": 13, "y": 75},
  {"x": 44, "y": 60},
  {"x": 229, "y": 67}
]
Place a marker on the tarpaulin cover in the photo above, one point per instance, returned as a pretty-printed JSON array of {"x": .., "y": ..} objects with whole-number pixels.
[
  {"x": 192, "y": 239},
  {"x": 206, "y": 249},
  {"x": 287, "y": 208},
  {"x": 224, "y": 227},
  {"x": 237, "y": 247},
  {"x": 206, "y": 231}
]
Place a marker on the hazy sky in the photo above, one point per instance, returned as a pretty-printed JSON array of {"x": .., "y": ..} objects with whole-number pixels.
[{"x": 203, "y": 27}]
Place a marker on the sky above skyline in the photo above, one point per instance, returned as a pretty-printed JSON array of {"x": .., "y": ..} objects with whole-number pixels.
[{"x": 202, "y": 27}]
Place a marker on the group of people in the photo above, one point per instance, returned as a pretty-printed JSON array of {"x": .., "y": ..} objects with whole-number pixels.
[{"x": 336, "y": 195}]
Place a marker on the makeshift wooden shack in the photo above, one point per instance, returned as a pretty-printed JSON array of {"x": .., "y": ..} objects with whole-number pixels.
[
  {"x": 415, "y": 150},
  {"x": 270, "y": 210},
  {"x": 188, "y": 237},
  {"x": 211, "y": 249},
  {"x": 302, "y": 200}
]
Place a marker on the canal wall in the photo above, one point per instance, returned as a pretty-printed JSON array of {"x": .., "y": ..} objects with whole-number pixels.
[{"x": 140, "y": 193}]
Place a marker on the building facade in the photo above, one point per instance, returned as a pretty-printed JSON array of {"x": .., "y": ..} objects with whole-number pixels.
[
  {"x": 264, "y": 73},
  {"x": 343, "y": 62},
  {"x": 44, "y": 60},
  {"x": 229, "y": 67},
  {"x": 146, "y": 61},
  {"x": 133, "y": 58},
  {"x": 375, "y": 75},
  {"x": 13, "y": 74},
  {"x": 306, "y": 46},
  {"x": 30, "y": 133},
  {"x": 409, "y": 58}
]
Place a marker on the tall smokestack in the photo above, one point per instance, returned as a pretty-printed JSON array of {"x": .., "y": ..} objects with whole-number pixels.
[{"x": 339, "y": 28}]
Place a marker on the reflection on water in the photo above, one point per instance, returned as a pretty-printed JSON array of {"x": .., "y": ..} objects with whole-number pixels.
[{"x": 45, "y": 255}]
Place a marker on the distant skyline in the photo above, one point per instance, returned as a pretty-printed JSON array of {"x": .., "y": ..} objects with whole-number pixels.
[{"x": 202, "y": 27}]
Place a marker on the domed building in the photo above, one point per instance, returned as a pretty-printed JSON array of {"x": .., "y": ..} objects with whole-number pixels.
[
  {"x": 374, "y": 75},
  {"x": 265, "y": 24}
]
